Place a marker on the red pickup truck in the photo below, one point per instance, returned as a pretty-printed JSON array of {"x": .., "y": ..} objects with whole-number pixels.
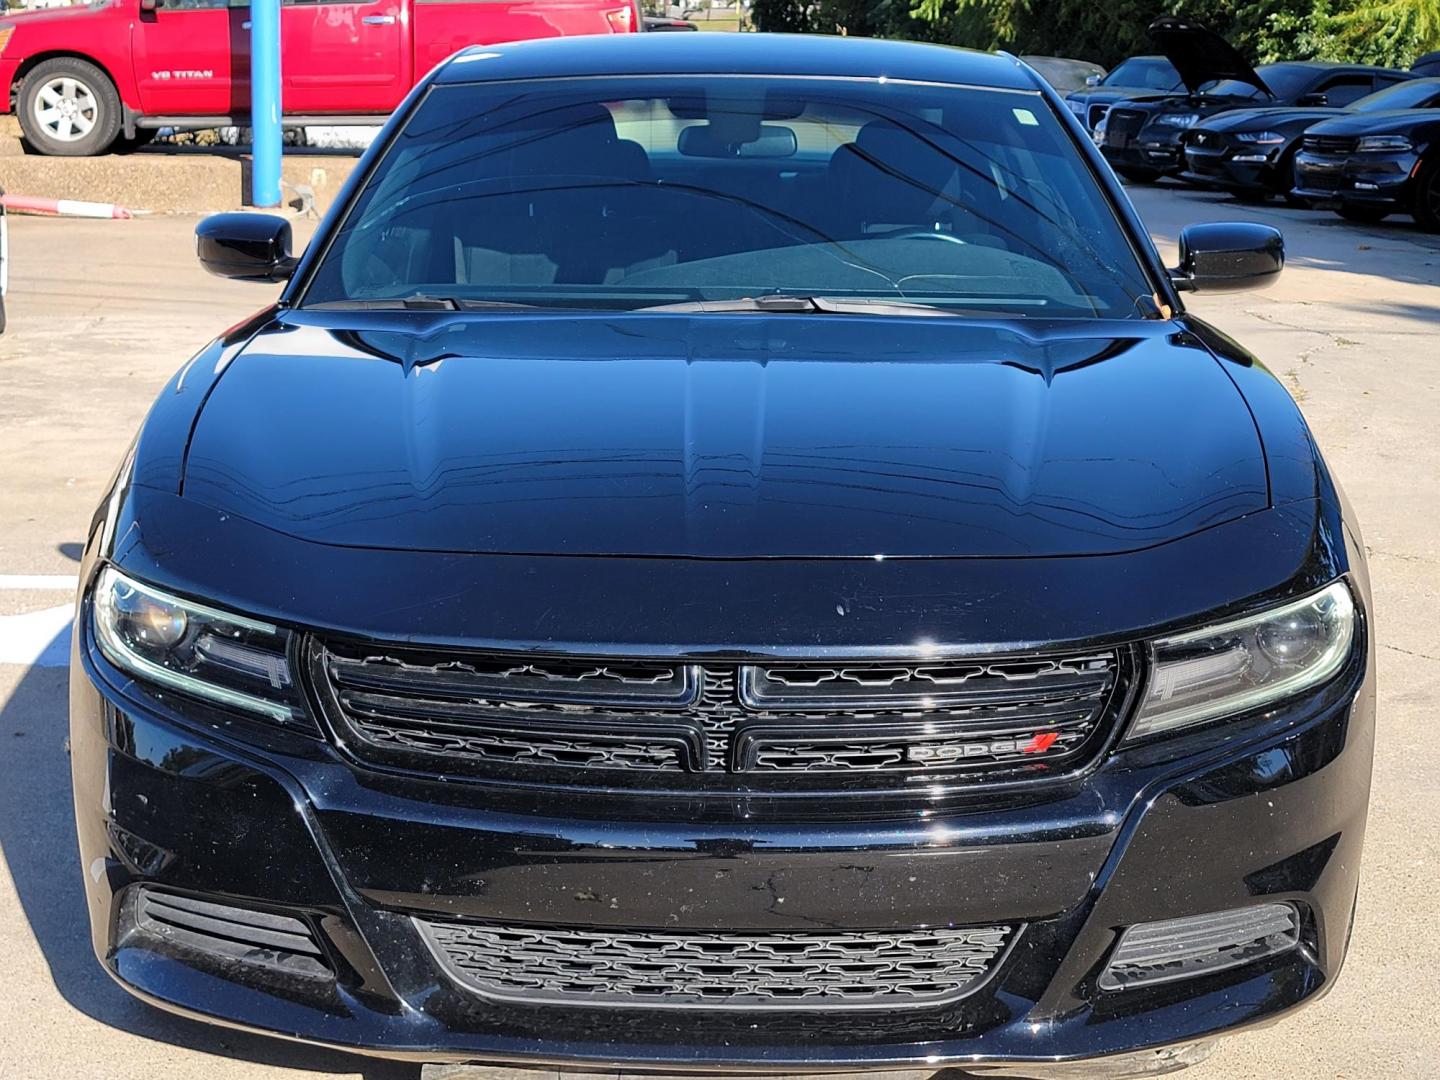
[{"x": 84, "y": 79}]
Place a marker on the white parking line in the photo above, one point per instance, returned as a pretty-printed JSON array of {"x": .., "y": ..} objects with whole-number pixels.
[
  {"x": 38, "y": 581},
  {"x": 37, "y": 638}
]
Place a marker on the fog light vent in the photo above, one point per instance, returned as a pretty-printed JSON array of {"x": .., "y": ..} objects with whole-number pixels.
[
  {"x": 237, "y": 934},
  {"x": 1159, "y": 952}
]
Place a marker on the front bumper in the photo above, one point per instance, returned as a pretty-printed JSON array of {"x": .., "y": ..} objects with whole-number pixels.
[
  {"x": 1377, "y": 179},
  {"x": 201, "y": 805},
  {"x": 1221, "y": 170},
  {"x": 1152, "y": 150}
]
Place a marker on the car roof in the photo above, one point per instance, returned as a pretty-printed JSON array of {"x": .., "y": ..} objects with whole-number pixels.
[
  {"x": 741, "y": 54},
  {"x": 1336, "y": 65}
]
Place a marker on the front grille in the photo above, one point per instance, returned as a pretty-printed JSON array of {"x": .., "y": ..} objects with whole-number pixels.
[
  {"x": 717, "y": 970},
  {"x": 1122, "y": 126},
  {"x": 1329, "y": 145},
  {"x": 706, "y": 726}
]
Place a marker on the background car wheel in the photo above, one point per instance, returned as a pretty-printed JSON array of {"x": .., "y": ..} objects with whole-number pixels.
[
  {"x": 1365, "y": 215},
  {"x": 69, "y": 108},
  {"x": 1138, "y": 176},
  {"x": 1427, "y": 197}
]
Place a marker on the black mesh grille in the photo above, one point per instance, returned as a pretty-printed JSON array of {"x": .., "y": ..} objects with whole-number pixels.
[
  {"x": 765, "y": 970},
  {"x": 1122, "y": 125},
  {"x": 714, "y": 726},
  {"x": 1330, "y": 145}
]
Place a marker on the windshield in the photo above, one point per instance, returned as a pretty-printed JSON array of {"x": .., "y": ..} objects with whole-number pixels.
[
  {"x": 1148, "y": 72},
  {"x": 645, "y": 192},
  {"x": 1286, "y": 80},
  {"x": 1414, "y": 94}
]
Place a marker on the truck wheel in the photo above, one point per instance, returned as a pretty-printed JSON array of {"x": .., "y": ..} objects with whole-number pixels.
[
  {"x": 69, "y": 108},
  {"x": 1427, "y": 197}
]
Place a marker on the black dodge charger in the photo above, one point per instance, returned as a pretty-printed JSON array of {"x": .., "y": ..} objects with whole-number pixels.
[
  {"x": 1370, "y": 166},
  {"x": 727, "y": 554},
  {"x": 1251, "y": 152}
]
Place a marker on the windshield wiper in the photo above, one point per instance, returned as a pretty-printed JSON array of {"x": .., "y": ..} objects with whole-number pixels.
[
  {"x": 824, "y": 305},
  {"x": 421, "y": 302}
]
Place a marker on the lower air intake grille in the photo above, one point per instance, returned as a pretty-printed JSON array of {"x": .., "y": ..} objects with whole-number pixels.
[
  {"x": 237, "y": 934},
  {"x": 1159, "y": 952},
  {"x": 757, "y": 970}
]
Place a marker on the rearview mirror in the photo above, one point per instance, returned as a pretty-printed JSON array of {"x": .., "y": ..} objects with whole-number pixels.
[
  {"x": 705, "y": 141},
  {"x": 1228, "y": 256},
  {"x": 245, "y": 247}
]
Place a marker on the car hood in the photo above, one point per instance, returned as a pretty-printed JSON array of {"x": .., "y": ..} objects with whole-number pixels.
[
  {"x": 1260, "y": 119},
  {"x": 49, "y": 15},
  {"x": 1108, "y": 95},
  {"x": 1392, "y": 122},
  {"x": 1201, "y": 55},
  {"x": 726, "y": 436}
]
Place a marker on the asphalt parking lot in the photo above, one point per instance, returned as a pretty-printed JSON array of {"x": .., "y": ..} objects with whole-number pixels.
[{"x": 102, "y": 312}]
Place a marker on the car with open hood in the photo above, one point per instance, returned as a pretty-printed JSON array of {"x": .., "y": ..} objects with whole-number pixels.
[
  {"x": 1135, "y": 76},
  {"x": 728, "y": 554},
  {"x": 1141, "y": 136},
  {"x": 1372, "y": 165},
  {"x": 1251, "y": 152}
]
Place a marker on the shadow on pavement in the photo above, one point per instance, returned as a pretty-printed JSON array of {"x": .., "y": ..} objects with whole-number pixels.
[{"x": 37, "y": 836}]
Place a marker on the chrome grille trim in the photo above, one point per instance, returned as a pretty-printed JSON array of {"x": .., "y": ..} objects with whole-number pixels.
[{"x": 756, "y": 970}]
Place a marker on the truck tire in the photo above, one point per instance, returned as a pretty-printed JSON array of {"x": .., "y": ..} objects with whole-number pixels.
[{"x": 68, "y": 108}]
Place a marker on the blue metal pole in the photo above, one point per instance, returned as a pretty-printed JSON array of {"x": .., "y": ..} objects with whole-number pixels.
[{"x": 265, "y": 100}]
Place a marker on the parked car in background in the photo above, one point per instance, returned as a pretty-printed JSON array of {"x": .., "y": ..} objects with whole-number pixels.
[
  {"x": 1135, "y": 77},
  {"x": 1065, "y": 74},
  {"x": 1251, "y": 152},
  {"x": 87, "y": 79},
  {"x": 1141, "y": 136},
  {"x": 1369, "y": 166}
]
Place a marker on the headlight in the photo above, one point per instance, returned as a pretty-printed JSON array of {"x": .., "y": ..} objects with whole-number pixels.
[
  {"x": 1383, "y": 142},
  {"x": 198, "y": 650},
  {"x": 1076, "y": 107},
  {"x": 1178, "y": 120},
  {"x": 1264, "y": 138},
  {"x": 1248, "y": 663}
]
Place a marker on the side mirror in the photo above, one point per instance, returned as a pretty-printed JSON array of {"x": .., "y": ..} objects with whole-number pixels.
[
  {"x": 1093, "y": 80},
  {"x": 1228, "y": 256},
  {"x": 1312, "y": 100},
  {"x": 245, "y": 247}
]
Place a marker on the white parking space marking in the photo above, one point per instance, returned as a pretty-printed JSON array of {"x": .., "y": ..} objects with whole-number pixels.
[
  {"x": 38, "y": 581},
  {"x": 37, "y": 638}
]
